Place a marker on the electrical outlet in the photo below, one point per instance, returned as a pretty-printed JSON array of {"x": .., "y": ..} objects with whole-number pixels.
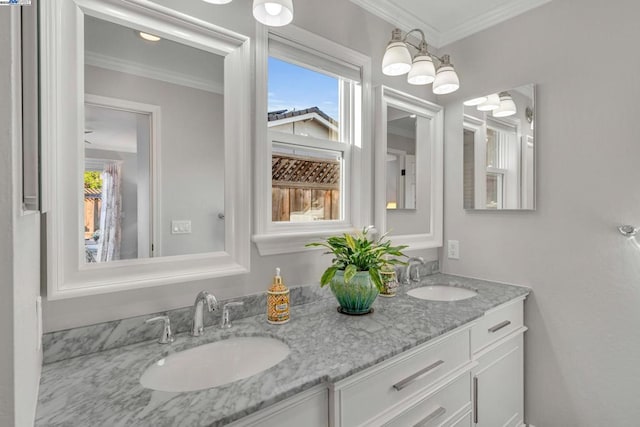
[
  {"x": 453, "y": 249},
  {"x": 181, "y": 227}
]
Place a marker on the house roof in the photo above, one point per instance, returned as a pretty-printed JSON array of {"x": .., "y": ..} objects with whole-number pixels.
[{"x": 286, "y": 114}]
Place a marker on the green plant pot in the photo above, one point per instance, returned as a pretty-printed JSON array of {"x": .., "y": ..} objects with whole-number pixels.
[{"x": 356, "y": 296}]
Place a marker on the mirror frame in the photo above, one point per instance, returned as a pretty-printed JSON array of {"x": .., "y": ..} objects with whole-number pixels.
[
  {"x": 62, "y": 121},
  {"x": 434, "y": 150}
]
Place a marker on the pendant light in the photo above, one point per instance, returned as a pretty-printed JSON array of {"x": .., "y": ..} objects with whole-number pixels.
[
  {"x": 422, "y": 71},
  {"x": 492, "y": 103},
  {"x": 274, "y": 13},
  {"x": 507, "y": 106},
  {"x": 397, "y": 59},
  {"x": 446, "y": 78}
]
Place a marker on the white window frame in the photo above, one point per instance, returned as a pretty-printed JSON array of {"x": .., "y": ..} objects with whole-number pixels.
[{"x": 279, "y": 238}]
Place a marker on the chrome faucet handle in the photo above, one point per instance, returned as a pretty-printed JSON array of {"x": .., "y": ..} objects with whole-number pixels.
[
  {"x": 225, "y": 322},
  {"x": 167, "y": 336}
]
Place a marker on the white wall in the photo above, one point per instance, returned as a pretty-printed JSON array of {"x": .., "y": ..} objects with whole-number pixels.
[
  {"x": 583, "y": 347},
  {"x": 356, "y": 29},
  {"x": 20, "y": 360}
]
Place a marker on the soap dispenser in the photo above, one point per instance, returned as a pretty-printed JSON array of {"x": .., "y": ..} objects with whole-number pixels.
[{"x": 278, "y": 301}]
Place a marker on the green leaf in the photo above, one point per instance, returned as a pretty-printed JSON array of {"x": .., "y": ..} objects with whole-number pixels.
[
  {"x": 328, "y": 275},
  {"x": 349, "y": 272},
  {"x": 374, "y": 274}
]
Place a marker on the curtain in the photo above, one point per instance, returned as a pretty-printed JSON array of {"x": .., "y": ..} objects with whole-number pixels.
[{"x": 110, "y": 214}]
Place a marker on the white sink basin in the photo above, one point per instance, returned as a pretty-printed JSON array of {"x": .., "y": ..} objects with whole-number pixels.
[
  {"x": 214, "y": 364},
  {"x": 442, "y": 293}
]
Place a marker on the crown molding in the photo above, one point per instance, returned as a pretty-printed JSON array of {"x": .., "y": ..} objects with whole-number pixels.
[
  {"x": 144, "y": 70},
  {"x": 406, "y": 20},
  {"x": 489, "y": 19},
  {"x": 400, "y": 17}
]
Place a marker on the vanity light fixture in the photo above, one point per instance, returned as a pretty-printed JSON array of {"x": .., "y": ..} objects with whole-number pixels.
[
  {"x": 274, "y": 13},
  {"x": 492, "y": 103},
  {"x": 149, "y": 37},
  {"x": 476, "y": 101},
  {"x": 421, "y": 69},
  {"x": 507, "y": 106}
]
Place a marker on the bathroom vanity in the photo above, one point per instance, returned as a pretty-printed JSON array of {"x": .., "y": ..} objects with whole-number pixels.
[{"x": 411, "y": 362}]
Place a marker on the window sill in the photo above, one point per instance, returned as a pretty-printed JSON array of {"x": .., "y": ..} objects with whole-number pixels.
[{"x": 294, "y": 241}]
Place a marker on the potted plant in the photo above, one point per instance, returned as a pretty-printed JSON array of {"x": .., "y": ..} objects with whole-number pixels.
[{"x": 355, "y": 272}]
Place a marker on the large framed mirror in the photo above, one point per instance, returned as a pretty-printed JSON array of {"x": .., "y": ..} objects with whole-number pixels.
[
  {"x": 499, "y": 150},
  {"x": 146, "y": 180},
  {"x": 409, "y": 169}
]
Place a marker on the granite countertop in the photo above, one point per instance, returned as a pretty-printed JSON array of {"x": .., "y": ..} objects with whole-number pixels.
[{"x": 103, "y": 389}]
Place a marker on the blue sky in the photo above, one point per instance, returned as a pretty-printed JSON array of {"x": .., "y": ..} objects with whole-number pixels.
[{"x": 292, "y": 87}]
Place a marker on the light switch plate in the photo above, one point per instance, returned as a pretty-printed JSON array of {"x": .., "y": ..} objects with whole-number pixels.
[
  {"x": 453, "y": 249},
  {"x": 181, "y": 227}
]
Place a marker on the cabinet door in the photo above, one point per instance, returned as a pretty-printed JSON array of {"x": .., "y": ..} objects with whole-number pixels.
[{"x": 498, "y": 386}]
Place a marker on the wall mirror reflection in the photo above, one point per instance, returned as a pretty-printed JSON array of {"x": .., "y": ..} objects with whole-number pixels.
[
  {"x": 148, "y": 186},
  {"x": 152, "y": 106},
  {"x": 401, "y": 159},
  {"x": 499, "y": 150},
  {"x": 409, "y": 168}
]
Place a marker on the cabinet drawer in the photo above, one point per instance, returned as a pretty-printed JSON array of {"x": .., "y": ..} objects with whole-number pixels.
[
  {"x": 437, "y": 408},
  {"x": 463, "y": 422},
  {"x": 496, "y": 324},
  {"x": 365, "y": 396}
]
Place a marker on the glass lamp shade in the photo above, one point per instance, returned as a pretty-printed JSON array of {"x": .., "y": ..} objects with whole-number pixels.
[
  {"x": 475, "y": 101},
  {"x": 423, "y": 71},
  {"x": 274, "y": 13},
  {"x": 446, "y": 80},
  {"x": 396, "y": 60},
  {"x": 217, "y": 1},
  {"x": 492, "y": 103},
  {"x": 507, "y": 106}
]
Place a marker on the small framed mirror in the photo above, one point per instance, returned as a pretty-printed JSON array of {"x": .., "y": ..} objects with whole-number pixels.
[
  {"x": 499, "y": 150},
  {"x": 409, "y": 169},
  {"x": 147, "y": 183}
]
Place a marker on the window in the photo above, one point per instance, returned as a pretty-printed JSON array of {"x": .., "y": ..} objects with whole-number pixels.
[
  {"x": 312, "y": 174},
  {"x": 501, "y": 156}
]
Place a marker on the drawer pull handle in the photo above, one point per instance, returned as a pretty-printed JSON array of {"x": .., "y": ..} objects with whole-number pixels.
[
  {"x": 405, "y": 382},
  {"x": 475, "y": 400},
  {"x": 432, "y": 416},
  {"x": 500, "y": 326}
]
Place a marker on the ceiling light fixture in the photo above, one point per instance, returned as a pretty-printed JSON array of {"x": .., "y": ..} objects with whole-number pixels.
[
  {"x": 421, "y": 69},
  {"x": 149, "y": 37},
  {"x": 274, "y": 13},
  {"x": 475, "y": 101},
  {"x": 507, "y": 106}
]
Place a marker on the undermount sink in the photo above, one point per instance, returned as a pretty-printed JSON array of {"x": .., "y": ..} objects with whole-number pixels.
[
  {"x": 442, "y": 293},
  {"x": 214, "y": 364}
]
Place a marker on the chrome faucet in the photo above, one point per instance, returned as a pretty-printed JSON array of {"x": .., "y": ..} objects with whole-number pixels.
[
  {"x": 407, "y": 273},
  {"x": 167, "y": 336},
  {"x": 225, "y": 322},
  {"x": 197, "y": 325}
]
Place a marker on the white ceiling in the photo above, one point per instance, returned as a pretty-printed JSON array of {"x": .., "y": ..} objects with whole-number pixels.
[{"x": 445, "y": 21}]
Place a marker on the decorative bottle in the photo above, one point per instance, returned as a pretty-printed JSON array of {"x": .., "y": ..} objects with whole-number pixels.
[{"x": 278, "y": 303}]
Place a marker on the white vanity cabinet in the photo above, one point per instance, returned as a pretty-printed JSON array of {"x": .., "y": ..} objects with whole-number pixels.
[
  {"x": 428, "y": 385},
  {"x": 498, "y": 379},
  {"x": 469, "y": 377}
]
